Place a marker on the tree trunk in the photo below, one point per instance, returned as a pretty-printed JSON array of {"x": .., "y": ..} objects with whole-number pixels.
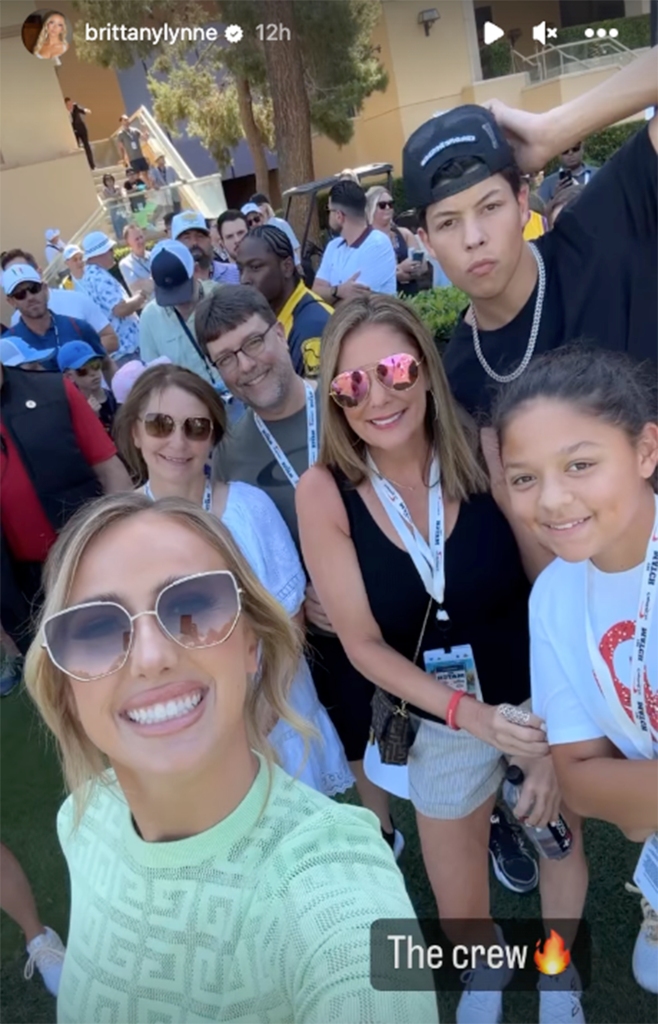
[
  {"x": 292, "y": 116},
  {"x": 252, "y": 134}
]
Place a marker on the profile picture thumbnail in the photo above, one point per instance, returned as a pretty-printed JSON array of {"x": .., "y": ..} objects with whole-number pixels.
[{"x": 45, "y": 34}]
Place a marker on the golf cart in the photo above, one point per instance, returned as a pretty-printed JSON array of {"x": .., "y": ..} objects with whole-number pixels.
[{"x": 309, "y": 191}]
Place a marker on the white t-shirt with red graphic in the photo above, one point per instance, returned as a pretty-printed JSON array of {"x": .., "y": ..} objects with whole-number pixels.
[{"x": 565, "y": 691}]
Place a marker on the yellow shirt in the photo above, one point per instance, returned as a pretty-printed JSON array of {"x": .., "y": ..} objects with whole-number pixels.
[
  {"x": 303, "y": 318},
  {"x": 535, "y": 227}
]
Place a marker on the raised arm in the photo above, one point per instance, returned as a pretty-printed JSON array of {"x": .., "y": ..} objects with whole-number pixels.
[
  {"x": 537, "y": 138},
  {"x": 332, "y": 562}
]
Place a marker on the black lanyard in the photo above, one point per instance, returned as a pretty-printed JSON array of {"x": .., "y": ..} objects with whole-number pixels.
[{"x": 196, "y": 345}]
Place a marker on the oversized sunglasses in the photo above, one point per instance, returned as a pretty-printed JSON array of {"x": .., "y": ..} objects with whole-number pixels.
[
  {"x": 385, "y": 204},
  {"x": 93, "y": 640},
  {"x": 160, "y": 424},
  {"x": 90, "y": 367},
  {"x": 254, "y": 220},
  {"x": 397, "y": 373},
  {"x": 33, "y": 288}
]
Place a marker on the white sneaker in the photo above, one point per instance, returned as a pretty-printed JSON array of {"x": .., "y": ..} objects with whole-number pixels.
[
  {"x": 46, "y": 953},
  {"x": 645, "y": 953},
  {"x": 482, "y": 998},
  {"x": 557, "y": 1003}
]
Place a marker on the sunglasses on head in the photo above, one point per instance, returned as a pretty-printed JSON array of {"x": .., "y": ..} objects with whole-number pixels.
[
  {"x": 93, "y": 640},
  {"x": 90, "y": 367},
  {"x": 159, "y": 424},
  {"x": 385, "y": 204},
  {"x": 33, "y": 288},
  {"x": 397, "y": 373}
]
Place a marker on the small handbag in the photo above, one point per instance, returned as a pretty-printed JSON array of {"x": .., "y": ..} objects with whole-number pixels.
[{"x": 390, "y": 726}]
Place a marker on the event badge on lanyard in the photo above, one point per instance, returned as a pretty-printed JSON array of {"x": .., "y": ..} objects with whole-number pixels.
[
  {"x": 636, "y": 725},
  {"x": 638, "y": 729},
  {"x": 311, "y": 438}
]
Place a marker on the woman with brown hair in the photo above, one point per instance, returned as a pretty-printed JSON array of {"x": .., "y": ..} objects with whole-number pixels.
[
  {"x": 205, "y": 882},
  {"x": 421, "y": 576},
  {"x": 165, "y": 431}
]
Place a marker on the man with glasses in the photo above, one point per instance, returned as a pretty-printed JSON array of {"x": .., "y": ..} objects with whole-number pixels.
[
  {"x": 266, "y": 261},
  {"x": 360, "y": 258},
  {"x": 38, "y": 326},
  {"x": 276, "y": 441},
  {"x": 573, "y": 170}
]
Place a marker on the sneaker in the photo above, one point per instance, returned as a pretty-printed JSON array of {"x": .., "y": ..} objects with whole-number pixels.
[
  {"x": 645, "y": 953},
  {"x": 11, "y": 677},
  {"x": 482, "y": 999},
  {"x": 512, "y": 861},
  {"x": 46, "y": 953},
  {"x": 395, "y": 840},
  {"x": 559, "y": 1004}
]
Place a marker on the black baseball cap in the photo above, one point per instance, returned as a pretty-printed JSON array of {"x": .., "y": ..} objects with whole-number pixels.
[
  {"x": 172, "y": 270},
  {"x": 466, "y": 131}
]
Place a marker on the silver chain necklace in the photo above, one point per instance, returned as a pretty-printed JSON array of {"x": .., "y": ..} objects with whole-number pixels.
[{"x": 532, "y": 340}]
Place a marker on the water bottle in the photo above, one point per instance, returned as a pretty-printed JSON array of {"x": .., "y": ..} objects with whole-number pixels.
[{"x": 555, "y": 839}]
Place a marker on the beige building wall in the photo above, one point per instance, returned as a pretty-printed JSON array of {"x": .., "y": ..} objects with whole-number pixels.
[
  {"x": 44, "y": 179},
  {"x": 521, "y": 15}
]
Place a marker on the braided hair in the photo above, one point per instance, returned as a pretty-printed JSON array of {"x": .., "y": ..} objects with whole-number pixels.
[{"x": 277, "y": 242}]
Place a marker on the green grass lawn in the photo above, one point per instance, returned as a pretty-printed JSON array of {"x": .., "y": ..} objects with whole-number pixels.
[{"x": 31, "y": 790}]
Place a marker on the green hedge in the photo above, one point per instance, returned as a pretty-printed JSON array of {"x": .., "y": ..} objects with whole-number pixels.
[
  {"x": 496, "y": 59},
  {"x": 439, "y": 309},
  {"x": 600, "y": 146},
  {"x": 633, "y": 32}
]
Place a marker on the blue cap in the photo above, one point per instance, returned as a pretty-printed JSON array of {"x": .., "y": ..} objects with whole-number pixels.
[
  {"x": 172, "y": 270},
  {"x": 75, "y": 354},
  {"x": 14, "y": 352}
]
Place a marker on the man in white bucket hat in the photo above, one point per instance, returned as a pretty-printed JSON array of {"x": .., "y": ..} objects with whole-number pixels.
[{"x": 107, "y": 292}]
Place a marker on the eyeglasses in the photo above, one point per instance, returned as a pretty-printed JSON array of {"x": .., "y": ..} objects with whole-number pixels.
[
  {"x": 160, "y": 424},
  {"x": 93, "y": 640},
  {"x": 385, "y": 204},
  {"x": 33, "y": 288},
  {"x": 90, "y": 367},
  {"x": 251, "y": 348},
  {"x": 254, "y": 220},
  {"x": 396, "y": 373}
]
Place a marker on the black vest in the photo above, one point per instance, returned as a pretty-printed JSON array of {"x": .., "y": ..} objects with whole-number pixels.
[{"x": 37, "y": 418}]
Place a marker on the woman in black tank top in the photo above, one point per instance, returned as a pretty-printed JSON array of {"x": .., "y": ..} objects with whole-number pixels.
[
  {"x": 372, "y": 513},
  {"x": 379, "y": 211}
]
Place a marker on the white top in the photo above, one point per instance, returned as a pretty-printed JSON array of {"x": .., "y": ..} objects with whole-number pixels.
[
  {"x": 283, "y": 225},
  {"x": 73, "y": 303},
  {"x": 135, "y": 268},
  {"x": 564, "y": 689},
  {"x": 372, "y": 255},
  {"x": 52, "y": 251},
  {"x": 260, "y": 532}
]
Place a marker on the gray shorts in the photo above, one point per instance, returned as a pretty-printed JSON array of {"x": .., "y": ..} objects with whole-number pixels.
[{"x": 451, "y": 773}]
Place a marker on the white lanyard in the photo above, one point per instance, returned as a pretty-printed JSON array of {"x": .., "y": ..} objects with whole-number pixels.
[
  {"x": 428, "y": 558},
  {"x": 636, "y": 727},
  {"x": 311, "y": 438},
  {"x": 207, "y": 495}
]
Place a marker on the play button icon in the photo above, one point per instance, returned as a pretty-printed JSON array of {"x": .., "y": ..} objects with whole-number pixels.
[{"x": 491, "y": 33}]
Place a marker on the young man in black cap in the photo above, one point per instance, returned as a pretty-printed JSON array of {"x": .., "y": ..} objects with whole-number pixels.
[{"x": 594, "y": 276}]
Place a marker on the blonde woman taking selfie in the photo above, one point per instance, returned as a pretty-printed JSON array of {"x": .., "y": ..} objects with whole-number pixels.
[{"x": 206, "y": 884}]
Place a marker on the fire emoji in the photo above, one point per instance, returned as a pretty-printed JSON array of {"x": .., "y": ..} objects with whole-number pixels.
[{"x": 555, "y": 957}]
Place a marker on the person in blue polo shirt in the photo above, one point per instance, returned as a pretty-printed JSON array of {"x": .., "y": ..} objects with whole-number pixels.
[
  {"x": 40, "y": 328},
  {"x": 266, "y": 261}
]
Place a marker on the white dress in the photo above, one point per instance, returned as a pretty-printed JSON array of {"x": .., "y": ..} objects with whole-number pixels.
[{"x": 260, "y": 532}]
